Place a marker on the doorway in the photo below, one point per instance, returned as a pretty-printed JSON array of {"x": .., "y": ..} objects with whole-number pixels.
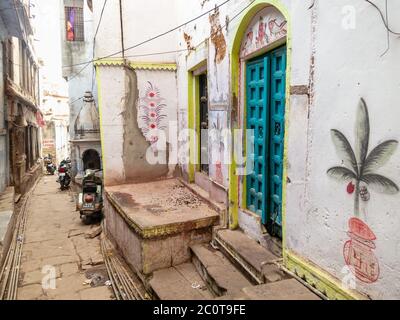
[
  {"x": 91, "y": 160},
  {"x": 203, "y": 123},
  {"x": 265, "y": 110}
]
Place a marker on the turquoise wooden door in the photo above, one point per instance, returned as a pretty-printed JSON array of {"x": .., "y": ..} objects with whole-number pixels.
[
  {"x": 266, "y": 83},
  {"x": 257, "y": 107}
]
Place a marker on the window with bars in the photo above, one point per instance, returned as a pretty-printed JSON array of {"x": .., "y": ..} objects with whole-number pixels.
[{"x": 74, "y": 24}]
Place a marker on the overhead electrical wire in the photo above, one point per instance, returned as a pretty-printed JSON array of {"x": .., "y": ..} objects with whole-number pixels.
[
  {"x": 166, "y": 52},
  {"x": 89, "y": 62},
  {"x": 385, "y": 22},
  {"x": 196, "y": 46},
  {"x": 151, "y": 39},
  {"x": 94, "y": 39}
]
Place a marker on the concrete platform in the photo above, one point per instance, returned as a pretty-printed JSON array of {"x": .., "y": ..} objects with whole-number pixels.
[
  {"x": 160, "y": 208},
  {"x": 153, "y": 224}
]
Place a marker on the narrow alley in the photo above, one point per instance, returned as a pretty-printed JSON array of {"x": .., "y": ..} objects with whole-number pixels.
[
  {"x": 199, "y": 150},
  {"x": 56, "y": 241}
]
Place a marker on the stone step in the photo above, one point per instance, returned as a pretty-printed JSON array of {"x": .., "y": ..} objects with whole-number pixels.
[
  {"x": 288, "y": 289},
  {"x": 221, "y": 277},
  {"x": 181, "y": 282},
  {"x": 257, "y": 262}
]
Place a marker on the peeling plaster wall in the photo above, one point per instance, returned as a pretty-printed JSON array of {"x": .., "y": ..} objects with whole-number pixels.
[
  {"x": 124, "y": 146},
  {"x": 126, "y": 141}
]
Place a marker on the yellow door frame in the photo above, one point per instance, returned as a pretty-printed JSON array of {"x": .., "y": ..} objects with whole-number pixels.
[
  {"x": 194, "y": 120},
  {"x": 234, "y": 181}
]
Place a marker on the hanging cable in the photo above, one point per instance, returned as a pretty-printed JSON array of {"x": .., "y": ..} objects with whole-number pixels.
[
  {"x": 167, "y": 52},
  {"x": 385, "y": 22},
  {"x": 153, "y": 38},
  {"x": 94, "y": 39}
]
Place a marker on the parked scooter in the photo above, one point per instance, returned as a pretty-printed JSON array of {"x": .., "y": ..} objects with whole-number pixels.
[
  {"x": 90, "y": 200},
  {"x": 50, "y": 166},
  {"x": 64, "y": 177}
]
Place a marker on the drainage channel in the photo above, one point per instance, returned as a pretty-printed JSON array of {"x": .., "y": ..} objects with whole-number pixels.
[
  {"x": 9, "y": 273},
  {"x": 123, "y": 283}
]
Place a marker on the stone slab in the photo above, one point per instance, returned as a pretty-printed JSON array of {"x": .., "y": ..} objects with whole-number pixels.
[
  {"x": 246, "y": 248},
  {"x": 5, "y": 219},
  {"x": 289, "y": 289},
  {"x": 219, "y": 270},
  {"x": 6, "y": 213},
  {"x": 179, "y": 283}
]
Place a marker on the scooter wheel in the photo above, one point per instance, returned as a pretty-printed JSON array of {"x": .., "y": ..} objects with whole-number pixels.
[{"x": 85, "y": 220}]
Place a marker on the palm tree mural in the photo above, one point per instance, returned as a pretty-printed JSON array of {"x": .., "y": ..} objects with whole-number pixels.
[{"x": 359, "y": 166}]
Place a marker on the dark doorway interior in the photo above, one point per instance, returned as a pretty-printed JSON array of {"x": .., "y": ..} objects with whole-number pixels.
[
  {"x": 203, "y": 121},
  {"x": 91, "y": 160}
]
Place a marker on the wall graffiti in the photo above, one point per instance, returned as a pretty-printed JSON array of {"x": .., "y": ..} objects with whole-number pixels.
[
  {"x": 359, "y": 171},
  {"x": 267, "y": 27},
  {"x": 152, "y": 112}
]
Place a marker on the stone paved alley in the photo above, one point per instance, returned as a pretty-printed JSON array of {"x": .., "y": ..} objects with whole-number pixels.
[{"x": 55, "y": 237}]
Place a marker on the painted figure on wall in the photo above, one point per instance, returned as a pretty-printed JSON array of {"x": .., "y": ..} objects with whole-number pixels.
[
  {"x": 261, "y": 33},
  {"x": 360, "y": 174},
  {"x": 152, "y": 113},
  {"x": 268, "y": 26},
  {"x": 277, "y": 30}
]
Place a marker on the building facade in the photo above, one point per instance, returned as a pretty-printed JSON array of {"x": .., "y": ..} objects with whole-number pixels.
[
  {"x": 55, "y": 134},
  {"x": 77, "y": 37},
  {"x": 302, "y": 134},
  {"x": 22, "y": 115}
]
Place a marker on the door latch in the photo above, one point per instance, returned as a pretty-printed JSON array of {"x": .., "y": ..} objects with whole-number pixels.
[{"x": 277, "y": 128}]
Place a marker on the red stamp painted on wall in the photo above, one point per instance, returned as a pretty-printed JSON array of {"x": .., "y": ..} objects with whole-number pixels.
[{"x": 358, "y": 251}]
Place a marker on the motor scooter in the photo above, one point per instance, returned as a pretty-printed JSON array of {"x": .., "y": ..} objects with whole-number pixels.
[
  {"x": 50, "y": 167},
  {"x": 64, "y": 177},
  {"x": 90, "y": 200}
]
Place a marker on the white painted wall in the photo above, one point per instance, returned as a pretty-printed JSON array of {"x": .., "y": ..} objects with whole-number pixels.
[
  {"x": 349, "y": 65},
  {"x": 112, "y": 89}
]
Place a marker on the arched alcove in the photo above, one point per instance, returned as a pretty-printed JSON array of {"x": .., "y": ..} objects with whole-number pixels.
[{"x": 91, "y": 160}]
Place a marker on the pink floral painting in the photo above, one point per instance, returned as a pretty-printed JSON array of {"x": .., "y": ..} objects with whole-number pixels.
[{"x": 152, "y": 113}]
